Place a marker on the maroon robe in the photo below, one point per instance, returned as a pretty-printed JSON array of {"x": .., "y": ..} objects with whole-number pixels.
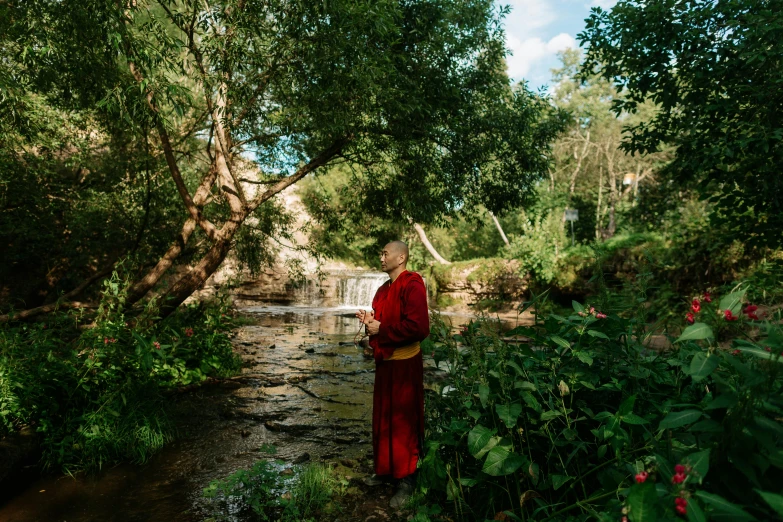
[{"x": 398, "y": 396}]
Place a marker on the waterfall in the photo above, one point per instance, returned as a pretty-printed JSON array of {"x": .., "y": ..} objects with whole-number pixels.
[{"x": 358, "y": 290}]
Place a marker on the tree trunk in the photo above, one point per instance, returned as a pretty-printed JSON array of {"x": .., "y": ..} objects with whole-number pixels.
[
  {"x": 500, "y": 228},
  {"x": 145, "y": 284},
  {"x": 611, "y": 228},
  {"x": 199, "y": 274},
  {"x": 598, "y": 206},
  {"x": 428, "y": 245}
]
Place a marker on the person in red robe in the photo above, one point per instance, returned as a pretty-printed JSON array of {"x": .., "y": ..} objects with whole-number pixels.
[{"x": 398, "y": 323}]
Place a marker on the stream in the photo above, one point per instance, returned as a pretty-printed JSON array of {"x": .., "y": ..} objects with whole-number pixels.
[{"x": 305, "y": 389}]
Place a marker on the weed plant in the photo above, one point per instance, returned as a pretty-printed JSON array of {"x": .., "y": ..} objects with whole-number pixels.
[
  {"x": 262, "y": 493},
  {"x": 93, "y": 387},
  {"x": 583, "y": 421}
]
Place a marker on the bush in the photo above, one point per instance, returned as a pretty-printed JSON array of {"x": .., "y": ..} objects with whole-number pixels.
[
  {"x": 95, "y": 395},
  {"x": 262, "y": 493},
  {"x": 584, "y": 422}
]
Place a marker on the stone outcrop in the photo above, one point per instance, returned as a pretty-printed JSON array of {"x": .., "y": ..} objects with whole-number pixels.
[{"x": 477, "y": 282}]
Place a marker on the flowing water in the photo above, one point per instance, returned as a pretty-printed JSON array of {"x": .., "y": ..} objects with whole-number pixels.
[{"x": 304, "y": 388}]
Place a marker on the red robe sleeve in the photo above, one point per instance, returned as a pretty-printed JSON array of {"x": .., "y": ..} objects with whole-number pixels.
[{"x": 414, "y": 323}]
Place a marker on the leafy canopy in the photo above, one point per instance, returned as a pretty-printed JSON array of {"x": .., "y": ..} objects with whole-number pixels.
[{"x": 714, "y": 71}]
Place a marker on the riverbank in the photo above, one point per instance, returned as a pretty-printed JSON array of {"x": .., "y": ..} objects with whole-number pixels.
[{"x": 304, "y": 389}]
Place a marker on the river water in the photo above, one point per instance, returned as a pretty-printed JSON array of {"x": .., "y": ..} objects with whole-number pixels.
[{"x": 305, "y": 389}]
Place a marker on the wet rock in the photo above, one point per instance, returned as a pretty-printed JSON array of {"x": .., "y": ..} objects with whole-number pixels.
[
  {"x": 310, "y": 350},
  {"x": 349, "y": 463},
  {"x": 304, "y": 457},
  {"x": 272, "y": 347},
  {"x": 273, "y": 426}
]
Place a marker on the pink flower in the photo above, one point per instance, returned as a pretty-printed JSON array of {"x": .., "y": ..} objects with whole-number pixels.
[
  {"x": 105, "y": 340},
  {"x": 678, "y": 478},
  {"x": 641, "y": 477},
  {"x": 156, "y": 344},
  {"x": 735, "y": 352},
  {"x": 679, "y": 468},
  {"x": 707, "y": 297},
  {"x": 189, "y": 332},
  {"x": 599, "y": 315},
  {"x": 680, "y": 505},
  {"x": 592, "y": 310},
  {"x": 750, "y": 311},
  {"x": 689, "y": 317},
  {"x": 729, "y": 316},
  {"x": 696, "y": 306}
]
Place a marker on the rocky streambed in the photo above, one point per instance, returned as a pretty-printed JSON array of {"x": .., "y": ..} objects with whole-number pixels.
[{"x": 305, "y": 390}]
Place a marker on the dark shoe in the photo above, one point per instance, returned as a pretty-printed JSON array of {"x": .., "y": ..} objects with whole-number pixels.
[
  {"x": 403, "y": 494},
  {"x": 376, "y": 480}
]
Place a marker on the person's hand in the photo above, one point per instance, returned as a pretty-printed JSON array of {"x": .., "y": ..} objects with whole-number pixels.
[
  {"x": 373, "y": 327},
  {"x": 365, "y": 317}
]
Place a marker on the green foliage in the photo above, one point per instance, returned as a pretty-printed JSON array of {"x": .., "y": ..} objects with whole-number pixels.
[
  {"x": 264, "y": 494},
  {"x": 96, "y": 395},
  {"x": 710, "y": 108},
  {"x": 536, "y": 246},
  {"x": 583, "y": 421}
]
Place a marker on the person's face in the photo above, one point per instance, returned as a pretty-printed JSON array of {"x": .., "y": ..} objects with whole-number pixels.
[{"x": 391, "y": 258}]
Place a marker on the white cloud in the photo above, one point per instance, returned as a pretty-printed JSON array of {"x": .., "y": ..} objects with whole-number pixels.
[
  {"x": 603, "y": 4},
  {"x": 528, "y": 15},
  {"x": 526, "y": 53}
]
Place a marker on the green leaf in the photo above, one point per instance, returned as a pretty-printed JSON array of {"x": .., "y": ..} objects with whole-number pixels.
[
  {"x": 733, "y": 302},
  {"x": 774, "y": 500},
  {"x": 627, "y": 405},
  {"x": 726, "y": 400},
  {"x": 721, "y": 510},
  {"x": 508, "y": 413},
  {"x": 700, "y": 462},
  {"x": 516, "y": 368},
  {"x": 680, "y": 418},
  {"x": 585, "y": 358},
  {"x": 501, "y": 461},
  {"x": 632, "y": 418},
  {"x": 525, "y": 385},
  {"x": 577, "y": 307},
  {"x": 596, "y": 333},
  {"x": 702, "y": 365},
  {"x": 551, "y": 414},
  {"x": 696, "y": 332},
  {"x": 643, "y": 503},
  {"x": 478, "y": 439},
  {"x": 762, "y": 354},
  {"x": 483, "y": 392},
  {"x": 560, "y": 341},
  {"x": 695, "y": 513},
  {"x": 559, "y": 480}
]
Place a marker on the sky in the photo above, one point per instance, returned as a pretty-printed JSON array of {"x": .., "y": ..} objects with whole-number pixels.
[{"x": 537, "y": 29}]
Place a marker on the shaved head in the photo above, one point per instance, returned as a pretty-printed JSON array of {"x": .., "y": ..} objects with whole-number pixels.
[
  {"x": 397, "y": 248},
  {"x": 394, "y": 258}
]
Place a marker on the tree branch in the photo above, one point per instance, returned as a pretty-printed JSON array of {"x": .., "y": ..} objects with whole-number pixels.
[
  {"x": 320, "y": 160},
  {"x": 168, "y": 152}
]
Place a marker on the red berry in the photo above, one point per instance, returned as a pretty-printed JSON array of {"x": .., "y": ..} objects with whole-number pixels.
[
  {"x": 679, "y": 468},
  {"x": 641, "y": 477},
  {"x": 678, "y": 478}
]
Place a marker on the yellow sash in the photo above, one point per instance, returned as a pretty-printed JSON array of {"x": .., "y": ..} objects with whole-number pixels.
[{"x": 406, "y": 352}]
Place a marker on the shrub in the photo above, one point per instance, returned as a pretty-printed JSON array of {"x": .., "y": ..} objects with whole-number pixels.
[
  {"x": 95, "y": 395},
  {"x": 262, "y": 493},
  {"x": 584, "y": 422}
]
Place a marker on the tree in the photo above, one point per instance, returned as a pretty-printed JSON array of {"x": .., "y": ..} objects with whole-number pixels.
[
  {"x": 589, "y": 154},
  {"x": 412, "y": 94},
  {"x": 713, "y": 71}
]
